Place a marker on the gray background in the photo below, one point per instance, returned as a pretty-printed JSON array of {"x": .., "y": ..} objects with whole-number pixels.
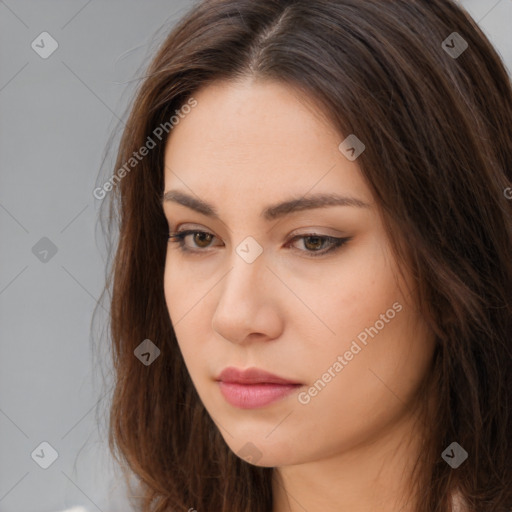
[{"x": 56, "y": 116}]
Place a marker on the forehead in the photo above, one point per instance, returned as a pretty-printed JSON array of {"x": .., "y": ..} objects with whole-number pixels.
[{"x": 257, "y": 139}]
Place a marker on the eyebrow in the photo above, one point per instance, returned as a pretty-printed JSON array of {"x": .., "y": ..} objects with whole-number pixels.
[{"x": 271, "y": 212}]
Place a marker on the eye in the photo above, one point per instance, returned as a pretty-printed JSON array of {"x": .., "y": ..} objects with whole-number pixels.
[
  {"x": 312, "y": 241},
  {"x": 179, "y": 237}
]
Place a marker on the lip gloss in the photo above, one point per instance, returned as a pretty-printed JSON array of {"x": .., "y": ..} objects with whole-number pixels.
[{"x": 250, "y": 396}]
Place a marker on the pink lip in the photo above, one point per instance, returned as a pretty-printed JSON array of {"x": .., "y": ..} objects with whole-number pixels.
[{"x": 251, "y": 388}]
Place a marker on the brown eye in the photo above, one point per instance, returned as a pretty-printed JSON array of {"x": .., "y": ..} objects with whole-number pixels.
[
  {"x": 202, "y": 239},
  {"x": 317, "y": 243},
  {"x": 314, "y": 244}
]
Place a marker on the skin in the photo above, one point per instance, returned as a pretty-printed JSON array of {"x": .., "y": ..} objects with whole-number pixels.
[{"x": 245, "y": 146}]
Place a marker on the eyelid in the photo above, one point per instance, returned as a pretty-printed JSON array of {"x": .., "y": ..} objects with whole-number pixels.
[
  {"x": 334, "y": 243},
  {"x": 303, "y": 231}
]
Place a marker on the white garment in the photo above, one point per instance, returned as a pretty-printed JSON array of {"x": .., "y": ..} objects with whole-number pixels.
[
  {"x": 459, "y": 504},
  {"x": 75, "y": 509}
]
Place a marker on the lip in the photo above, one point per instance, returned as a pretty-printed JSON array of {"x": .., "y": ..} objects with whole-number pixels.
[
  {"x": 252, "y": 388},
  {"x": 251, "y": 376}
]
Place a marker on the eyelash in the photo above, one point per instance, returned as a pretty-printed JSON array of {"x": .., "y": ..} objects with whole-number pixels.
[{"x": 336, "y": 243}]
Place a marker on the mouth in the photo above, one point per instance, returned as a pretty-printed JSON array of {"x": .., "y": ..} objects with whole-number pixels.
[{"x": 252, "y": 388}]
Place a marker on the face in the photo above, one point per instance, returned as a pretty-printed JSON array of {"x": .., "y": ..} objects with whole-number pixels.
[{"x": 310, "y": 295}]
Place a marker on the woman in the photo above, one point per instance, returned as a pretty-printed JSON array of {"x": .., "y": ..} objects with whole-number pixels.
[{"x": 312, "y": 286}]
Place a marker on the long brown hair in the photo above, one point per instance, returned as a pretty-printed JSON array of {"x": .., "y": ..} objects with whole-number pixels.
[{"x": 437, "y": 127}]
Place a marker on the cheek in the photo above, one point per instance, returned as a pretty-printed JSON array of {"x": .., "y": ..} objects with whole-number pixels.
[
  {"x": 183, "y": 287},
  {"x": 172, "y": 287},
  {"x": 374, "y": 383},
  {"x": 186, "y": 298},
  {"x": 178, "y": 297},
  {"x": 353, "y": 294},
  {"x": 374, "y": 326}
]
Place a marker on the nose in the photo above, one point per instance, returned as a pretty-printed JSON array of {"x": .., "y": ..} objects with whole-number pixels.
[{"x": 248, "y": 307}]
